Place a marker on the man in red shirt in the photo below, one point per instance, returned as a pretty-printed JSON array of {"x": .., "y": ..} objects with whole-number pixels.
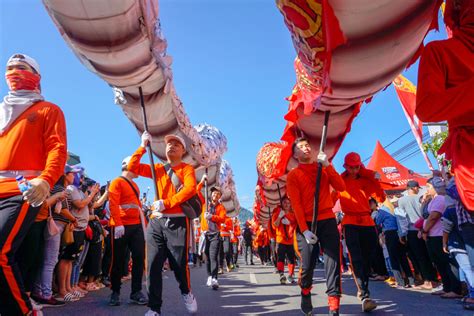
[
  {"x": 358, "y": 225},
  {"x": 301, "y": 189},
  {"x": 33, "y": 144},
  {"x": 127, "y": 233}
]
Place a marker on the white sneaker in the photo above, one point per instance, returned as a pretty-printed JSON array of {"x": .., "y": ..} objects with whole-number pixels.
[
  {"x": 190, "y": 303},
  {"x": 151, "y": 313},
  {"x": 209, "y": 281},
  {"x": 36, "y": 306},
  {"x": 214, "y": 284}
]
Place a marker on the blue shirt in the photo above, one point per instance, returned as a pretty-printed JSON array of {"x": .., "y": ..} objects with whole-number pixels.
[{"x": 386, "y": 219}]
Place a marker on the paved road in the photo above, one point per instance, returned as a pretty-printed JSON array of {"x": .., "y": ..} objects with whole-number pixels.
[{"x": 255, "y": 290}]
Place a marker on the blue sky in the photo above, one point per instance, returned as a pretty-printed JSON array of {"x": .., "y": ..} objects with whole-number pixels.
[{"x": 233, "y": 67}]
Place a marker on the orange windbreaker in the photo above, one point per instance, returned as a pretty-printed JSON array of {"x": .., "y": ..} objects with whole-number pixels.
[
  {"x": 166, "y": 190},
  {"x": 301, "y": 187},
  {"x": 36, "y": 141},
  {"x": 121, "y": 195},
  {"x": 284, "y": 233},
  {"x": 226, "y": 227},
  {"x": 218, "y": 218},
  {"x": 355, "y": 200},
  {"x": 237, "y": 233},
  {"x": 262, "y": 239}
]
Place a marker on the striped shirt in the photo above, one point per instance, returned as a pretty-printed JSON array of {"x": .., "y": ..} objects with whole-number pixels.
[
  {"x": 65, "y": 204},
  {"x": 463, "y": 215}
]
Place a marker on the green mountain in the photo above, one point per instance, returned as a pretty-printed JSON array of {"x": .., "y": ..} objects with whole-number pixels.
[{"x": 245, "y": 215}]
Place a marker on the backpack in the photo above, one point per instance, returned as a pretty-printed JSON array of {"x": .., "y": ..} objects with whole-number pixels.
[{"x": 192, "y": 208}]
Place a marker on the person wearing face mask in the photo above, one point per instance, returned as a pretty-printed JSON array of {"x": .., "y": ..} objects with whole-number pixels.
[
  {"x": 301, "y": 189},
  {"x": 358, "y": 225},
  {"x": 445, "y": 93},
  {"x": 167, "y": 235},
  {"x": 33, "y": 144},
  {"x": 284, "y": 222}
]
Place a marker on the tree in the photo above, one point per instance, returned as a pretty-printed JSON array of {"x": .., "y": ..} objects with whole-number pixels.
[{"x": 435, "y": 144}]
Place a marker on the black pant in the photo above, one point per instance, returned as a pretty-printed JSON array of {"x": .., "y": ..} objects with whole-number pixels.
[
  {"x": 441, "y": 261},
  {"x": 378, "y": 265},
  {"x": 134, "y": 241},
  {"x": 30, "y": 254},
  {"x": 248, "y": 251},
  {"x": 16, "y": 218},
  {"x": 329, "y": 238},
  {"x": 397, "y": 253},
  {"x": 107, "y": 257},
  {"x": 211, "y": 249},
  {"x": 227, "y": 251},
  {"x": 284, "y": 252},
  {"x": 361, "y": 242},
  {"x": 418, "y": 253},
  {"x": 167, "y": 238},
  {"x": 235, "y": 252},
  {"x": 263, "y": 254}
]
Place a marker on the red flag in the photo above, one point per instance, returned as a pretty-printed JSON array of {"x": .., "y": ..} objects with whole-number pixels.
[{"x": 406, "y": 92}]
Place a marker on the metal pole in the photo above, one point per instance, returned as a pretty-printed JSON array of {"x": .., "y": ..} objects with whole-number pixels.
[
  {"x": 320, "y": 170},
  {"x": 150, "y": 152},
  {"x": 206, "y": 194}
]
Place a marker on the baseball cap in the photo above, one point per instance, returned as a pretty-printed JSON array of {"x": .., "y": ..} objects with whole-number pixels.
[
  {"x": 16, "y": 58},
  {"x": 352, "y": 160},
  {"x": 175, "y": 137},
  {"x": 413, "y": 184},
  {"x": 70, "y": 169},
  {"x": 216, "y": 188}
]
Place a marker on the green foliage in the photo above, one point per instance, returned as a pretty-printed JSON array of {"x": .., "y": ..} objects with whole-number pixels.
[{"x": 435, "y": 144}]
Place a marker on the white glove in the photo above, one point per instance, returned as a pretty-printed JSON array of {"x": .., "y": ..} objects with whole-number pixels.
[
  {"x": 37, "y": 193},
  {"x": 146, "y": 139},
  {"x": 208, "y": 216},
  {"x": 377, "y": 175},
  {"x": 204, "y": 178},
  {"x": 323, "y": 159},
  {"x": 285, "y": 221},
  {"x": 310, "y": 237},
  {"x": 158, "y": 206},
  {"x": 119, "y": 231},
  {"x": 282, "y": 213}
]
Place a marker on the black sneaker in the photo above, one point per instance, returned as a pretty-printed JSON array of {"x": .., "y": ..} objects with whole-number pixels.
[
  {"x": 306, "y": 304},
  {"x": 106, "y": 281},
  {"x": 114, "y": 299},
  {"x": 282, "y": 279},
  {"x": 51, "y": 302},
  {"x": 138, "y": 298},
  {"x": 252, "y": 264},
  {"x": 334, "y": 313}
]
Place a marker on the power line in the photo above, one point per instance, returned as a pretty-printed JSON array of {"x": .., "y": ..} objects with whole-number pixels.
[{"x": 396, "y": 139}]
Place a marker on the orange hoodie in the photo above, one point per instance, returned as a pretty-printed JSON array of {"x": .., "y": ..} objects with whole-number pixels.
[
  {"x": 218, "y": 218},
  {"x": 36, "y": 141},
  {"x": 226, "y": 227},
  {"x": 166, "y": 190},
  {"x": 237, "y": 233},
  {"x": 355, "y": 200},
  {"x": 123, "y": 203},
  {"x": 301, "y": 188},
  {"x": 284, "y": 233}
]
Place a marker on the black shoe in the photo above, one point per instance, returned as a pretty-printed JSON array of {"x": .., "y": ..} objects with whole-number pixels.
[
  {"x": 306, "y": 304},
  {"x": 138, "y": 298},
  {"x": 114, "y": 299},
  {"x": 334, "y": 313},
  {"x": 252, "y": 264},
  {"x": 282, "y": 279},
  {"x": 106, "y": 281}
]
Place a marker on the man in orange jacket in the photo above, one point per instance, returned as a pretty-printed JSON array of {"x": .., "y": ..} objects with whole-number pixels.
[
  {"x": 32, "y": 144},
  {"x": 284, "y": 222},
  {"x": 235, "y": 240},
  {"x": 358, "y": 225},
  {"x": 167, "y": 235},
  {"x": 301, "y": 189},
  {"x": 226, "y": 248},
  {"x": 211, "y": 219},
  {"x": 127, "y": 233}
]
